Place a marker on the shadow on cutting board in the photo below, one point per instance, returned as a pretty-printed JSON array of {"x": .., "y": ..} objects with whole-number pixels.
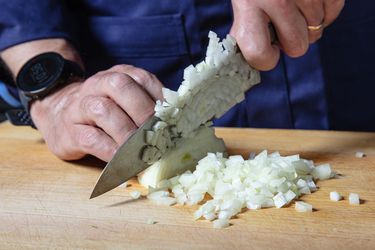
[{"x": 90, "y": 161}]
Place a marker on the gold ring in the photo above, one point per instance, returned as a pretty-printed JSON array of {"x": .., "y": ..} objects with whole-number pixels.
[{"x": 315, "y": 28}]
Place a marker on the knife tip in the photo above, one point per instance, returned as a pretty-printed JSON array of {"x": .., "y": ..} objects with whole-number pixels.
[{"x": 94, "y": 194}]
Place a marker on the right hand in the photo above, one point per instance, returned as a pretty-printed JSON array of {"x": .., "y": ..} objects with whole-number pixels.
[
  {"x": 97, "y": 115},
  {"x": 291, "y": 19}
]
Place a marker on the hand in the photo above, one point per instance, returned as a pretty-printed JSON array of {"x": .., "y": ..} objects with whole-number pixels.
[
  {"x": 291, "y": 19},
  {"x": 97, "y": 115}
]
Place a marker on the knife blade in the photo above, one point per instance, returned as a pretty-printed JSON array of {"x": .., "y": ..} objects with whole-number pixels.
[{"x": 126, "y": 163}]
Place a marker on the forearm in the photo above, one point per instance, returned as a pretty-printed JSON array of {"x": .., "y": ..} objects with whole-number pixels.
[{"x": 16, "y": 56}]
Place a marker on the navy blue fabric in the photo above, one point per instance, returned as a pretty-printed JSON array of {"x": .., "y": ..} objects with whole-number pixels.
[
  {"x": 348, "y": 59},
  {"x": 331, "y": 87},
  {"x": 22, "y": 21}
]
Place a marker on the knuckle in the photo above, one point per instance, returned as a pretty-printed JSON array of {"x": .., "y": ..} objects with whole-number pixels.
[
  {"x": 284, "y": 7},
  {"x": 87, "y": 138},
  {"x": 98, "y": 106},
  {"x": 121, "y": 67},
  {"x": 255, "y": 53},
  {"x": 144, "y": 76},
  {"x": 119, "y": 81},
  {"x": 94, "y": 78}
]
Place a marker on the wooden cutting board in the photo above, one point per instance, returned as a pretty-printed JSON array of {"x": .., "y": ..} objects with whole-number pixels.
[{"x": 44, "y": 201}]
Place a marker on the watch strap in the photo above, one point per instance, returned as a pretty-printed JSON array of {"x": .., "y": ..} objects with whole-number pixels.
[{"x": 19, "y": 117}]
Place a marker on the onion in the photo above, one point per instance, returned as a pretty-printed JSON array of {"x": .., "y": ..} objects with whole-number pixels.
[
  {"x": 184, "y": 157},
  {"x": 124, "y": 185},
  {"x": 354, "y": 199},
  {"x": 150, "y": 221},
  {"x": 334, "y": 196},
  {"x": 322, "y": 172},
  {"x": 135, "y": 194},
  {"x": 265, "y": 180},
  {"x": 221, "y": 223},
  {"x": 208, "y": 90},
  {"x": 360, "y": 154},
  {"x": 303, "y": 207},
  {"x": 279, "y": 200}
]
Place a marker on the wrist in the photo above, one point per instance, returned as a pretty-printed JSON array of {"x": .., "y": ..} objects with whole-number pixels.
[
  {"x": 53, "y": 104},
  {"x": 16, "y": 56}
]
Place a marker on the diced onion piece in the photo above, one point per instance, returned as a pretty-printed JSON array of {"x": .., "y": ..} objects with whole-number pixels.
[
  {"x": 210, "y": 216},
  {"x": 165, "y": 201},
  {"x": 334, "y": 196},
  {"x": 322, "y": 172},
  {"x": 354, "y": 199},
  {"x": 305, "y": 190},
  {"x": 290, "y": 195},
  {"x": 224, "y": 215},
  {"x": 311, "y": 185},
  {"x": 150, "y": 221},
  {"x": 187, "y": 179},
  {"x": 157, "y": 195},
  {"x": 135, "y": 194},
  {"x": 221, "y": 223},
  {"x": 198, "y": 214},
  {"x": 253, "y": 206},
  {"x": 303, "y": 207},
  {"x": 171, "y": 96},
  {"x": 164, "y": 184},
  {"x": 360, "y": 154},
  {"x": 301, "y": 183},
  {"x": 279, "y": 200},
  {"x": 124, "y": 185}
]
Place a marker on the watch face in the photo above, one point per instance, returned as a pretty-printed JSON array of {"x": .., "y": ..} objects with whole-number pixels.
[{"x": 40, "y": 73}]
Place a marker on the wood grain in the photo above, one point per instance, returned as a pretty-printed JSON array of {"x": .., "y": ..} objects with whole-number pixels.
[{"x": 44, "y": 201}]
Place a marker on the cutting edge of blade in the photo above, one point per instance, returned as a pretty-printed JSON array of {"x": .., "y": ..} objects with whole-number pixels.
[{"x": 124, "y": 160}]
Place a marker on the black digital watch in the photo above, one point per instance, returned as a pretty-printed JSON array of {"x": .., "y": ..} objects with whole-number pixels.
[{"x": 39, "y": 77}]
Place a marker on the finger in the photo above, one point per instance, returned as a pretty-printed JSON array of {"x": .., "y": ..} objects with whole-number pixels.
[
  {"x": 146, "y": 79},
  {"x": 332, "y": 9},
  {"x": 313, "y": 11},
  {"x": 291, "y": 28},
  {"x": 104, "y": 113},
  {"x": 94, "y": 141},
  {"x": 125, "y": 92},
  {"x": 253, "y": 37}
]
